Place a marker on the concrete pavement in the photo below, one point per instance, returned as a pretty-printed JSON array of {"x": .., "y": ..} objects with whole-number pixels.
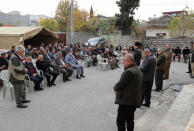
[{"x": 86, "y": 105}]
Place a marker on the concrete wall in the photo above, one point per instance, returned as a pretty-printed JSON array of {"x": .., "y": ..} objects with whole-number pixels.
[
  {"x": 18, "y": 20},
  {"x": 174, "y": 42},
  {"x": 80, "y": 37},
  {"x": 153, "y": 32}
]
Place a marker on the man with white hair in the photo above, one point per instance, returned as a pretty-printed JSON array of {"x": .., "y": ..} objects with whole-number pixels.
[
  {"x": 128, "y": 93},
  {"x": 160, "y": 67},
  {"x": 148, "y": 70},
  {"x": 17, "y": 73}
]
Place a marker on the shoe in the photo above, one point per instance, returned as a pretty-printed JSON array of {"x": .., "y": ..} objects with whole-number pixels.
[
  {"x": 41, "y": 88},
  {"x": 139, "y": 106},
  {"x": 157, "y": 90},
  {"x": 82, "y": 76},
  {"x": 78, "y": 77},
  {"x": 53, "y": 84},
  {"x": 37, "y": 89},
  {"x": 26, "y": 101},
  {"x": 188, "y": 72},
  {"x": 21, "y": 106},
  {"x": 68, "y": 79},
  {"x": 146, "y": 105},
  {"x": 49, "y": 85}
]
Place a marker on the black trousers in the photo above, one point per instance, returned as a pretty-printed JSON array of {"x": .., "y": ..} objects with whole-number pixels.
[
  {"x": 48, "y": 77},
  {"x": 179, "y": 57},
  {"x": 159, "y": 79},
  {"x": 189, "y": 65},
  {"x": 69, "y": 71},
  {"x": 125, "y": 118},
  {"x": 146, "y": 91},
  {"x": 37, "y": 80},
  {"x": 65, "y": 73}
]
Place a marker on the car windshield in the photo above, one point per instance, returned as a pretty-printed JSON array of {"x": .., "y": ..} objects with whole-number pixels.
[{"x": 93, "y": 40}]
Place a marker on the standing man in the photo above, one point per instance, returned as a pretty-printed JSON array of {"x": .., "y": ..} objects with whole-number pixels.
[
  {"x": 128, "y": 93},
  {"x": 160, "y": 66},
  {"x": 137, "y": 53},
  {"x": 189, "y": 63},
  {"x": 168, "y": 54},
  {"x": 17, "y": 73},
  {"x": 148, "y": 70}
]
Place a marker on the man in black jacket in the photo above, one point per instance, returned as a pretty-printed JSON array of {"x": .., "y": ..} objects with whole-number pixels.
[
  {"x": 128, "y": 93},
  {"x": 137, "y": 53},
  {"x": 148, "y": 70},
  {"x": 45, "y": 67}
]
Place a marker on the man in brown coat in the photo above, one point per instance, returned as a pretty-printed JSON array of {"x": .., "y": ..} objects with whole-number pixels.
[
  {"x": 168, "y": 54},
  {"x": 160, "y": 66}
]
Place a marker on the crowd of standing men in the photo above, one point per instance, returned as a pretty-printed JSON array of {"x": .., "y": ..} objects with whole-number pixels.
[{"x": 134, "y": 88}]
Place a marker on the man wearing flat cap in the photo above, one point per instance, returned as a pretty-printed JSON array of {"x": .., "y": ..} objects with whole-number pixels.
[{"x": 160, "y": 67}]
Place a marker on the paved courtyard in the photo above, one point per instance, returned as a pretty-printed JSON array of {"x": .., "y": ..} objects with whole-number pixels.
[{"x": 85, "y": 105}]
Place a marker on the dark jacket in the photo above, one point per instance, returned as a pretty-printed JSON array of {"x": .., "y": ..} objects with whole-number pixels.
[
  {"x": 43, "y": 65},
  {"x": 192, "y": 56},
  {"x": 31, "y": 68},
  {"x": 137, "y": 56},
  {"x": 4, "y": 62},
  {"x": 161, "y": 62},
  {"x": 129, "y": 87},
  {"x": 148, "y": 68}
]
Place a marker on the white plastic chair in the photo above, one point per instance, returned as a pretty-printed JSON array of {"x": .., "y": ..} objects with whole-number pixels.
[
  {"x": 6, "y": 84},
  {"x": 29, "y": 83},
  {"x": 102, "y": 62}
]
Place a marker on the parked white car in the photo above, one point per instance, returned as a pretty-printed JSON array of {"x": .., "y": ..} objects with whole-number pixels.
[{"x": 94, "y": 41}]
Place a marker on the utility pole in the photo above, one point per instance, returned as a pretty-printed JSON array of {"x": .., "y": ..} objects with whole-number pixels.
[{"x": 72, "y": 21}]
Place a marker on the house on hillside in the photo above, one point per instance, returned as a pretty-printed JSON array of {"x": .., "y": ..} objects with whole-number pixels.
[{"x": 158, "y": 27}]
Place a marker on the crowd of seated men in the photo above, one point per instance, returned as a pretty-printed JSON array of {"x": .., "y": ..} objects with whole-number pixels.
[{"x": 52, "y": 60}]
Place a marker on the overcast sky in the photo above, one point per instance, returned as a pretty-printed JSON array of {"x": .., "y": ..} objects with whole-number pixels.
[{"x": 105, "y": 7}]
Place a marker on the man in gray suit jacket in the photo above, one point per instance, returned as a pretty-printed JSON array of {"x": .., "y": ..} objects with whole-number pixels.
[{"x": 64, "y": 68}]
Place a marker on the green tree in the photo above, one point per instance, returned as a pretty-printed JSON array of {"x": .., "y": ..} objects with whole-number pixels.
[
  {"x": 49, "y": 23},
  {"x": 124, "y": 20},
  {"x": 182, "y": 26},
  {"x": 63, "y": 14},
  {"x": 107, "y": 26}
]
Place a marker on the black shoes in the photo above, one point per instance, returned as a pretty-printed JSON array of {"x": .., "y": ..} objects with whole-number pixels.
[
  {"x": 188, "y": 72},
  {"x": 21, "y": 106},
  {"x": 49, "y": 85},
  {"x": 53, "y": 84},
  {"x": 26, "y": 101},
  {"x": 146, "y": 105},
  {"x": 38, "y": 89},
  {"x": 82, "y": 76},
  {"x": 77, "y": 77},
  {"x": 157, "y": 90},
  {"x": 68, "y": 79}
]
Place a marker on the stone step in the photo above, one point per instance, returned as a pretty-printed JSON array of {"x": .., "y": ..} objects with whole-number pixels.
[
  {"x": 178, "y": 116},
  {"x": 161, "y": 103}
]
